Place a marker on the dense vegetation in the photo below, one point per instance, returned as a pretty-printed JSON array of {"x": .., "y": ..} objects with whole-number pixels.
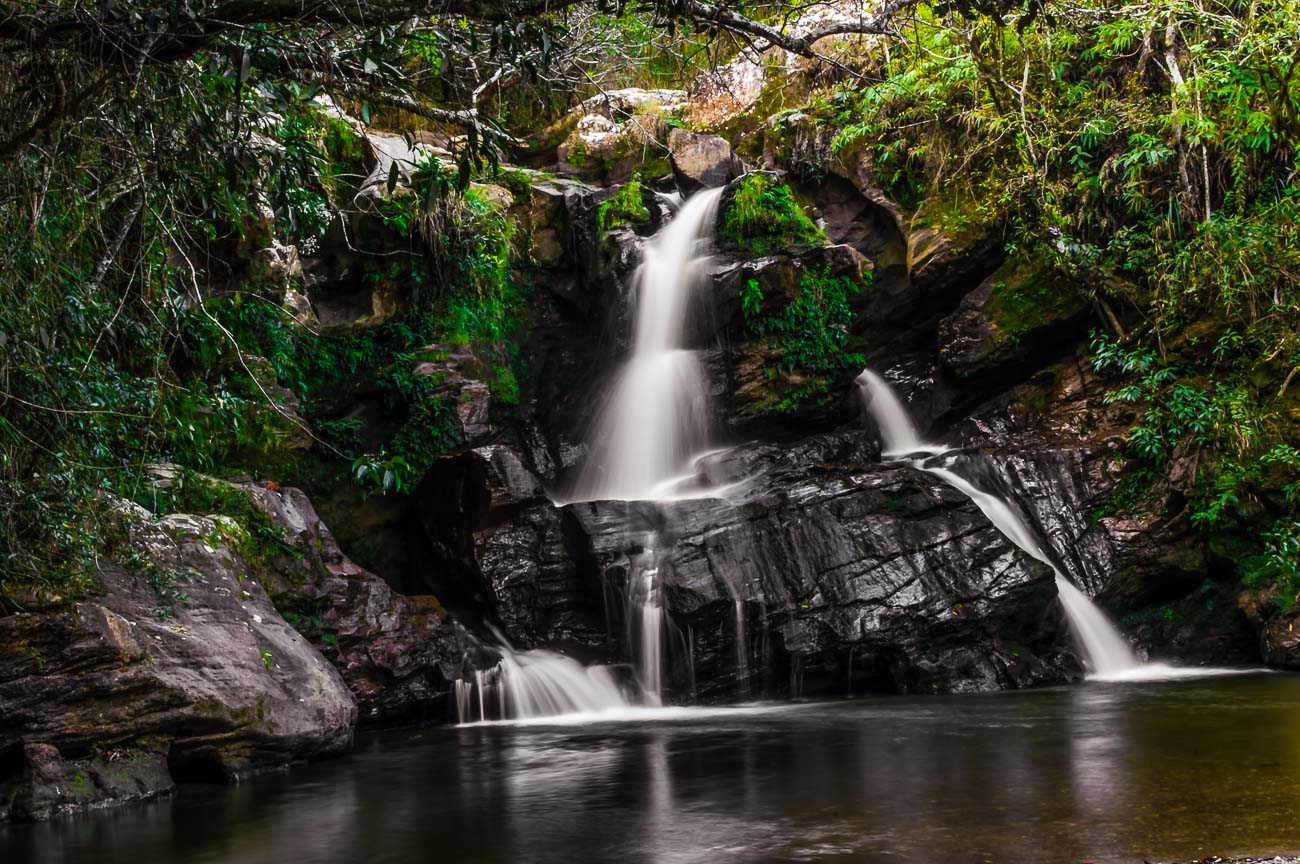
[
  {"x": 1145, "y": 152},
  {"x": 152, "y": 152},
  {"x": 761, "y": 216},
  {"x": 1148, "y": 152}
]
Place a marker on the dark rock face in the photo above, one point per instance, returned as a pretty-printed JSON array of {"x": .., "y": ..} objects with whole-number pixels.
[
  {"x": 1019, "y": 320},
  {"x": 524, "y": 558},
  {"x": 830, "y": 555},
  {"x": 49, "y": 785},
  {"x": 191, "y": 655},
  {"x": 398, "y": 654},
  {"x": 1054, "y": 447},
  {"x": 1279, "y": 638},
  {"x": 749, "y": 399}
]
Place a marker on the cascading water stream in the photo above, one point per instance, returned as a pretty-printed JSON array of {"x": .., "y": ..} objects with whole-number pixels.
[
  {"x": 657, "y": 418},
  {"x": 645, "y": 441},
  {"x": 526, "y": 685},
  {"x": 657, "y": 421},
  {"x": 646, "y": 624},
  {"x": 1105, "y": 651}
]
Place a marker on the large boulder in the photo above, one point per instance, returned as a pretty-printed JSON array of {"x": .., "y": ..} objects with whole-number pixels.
[
  {"x": 701, "y": 161},
  {"x": 615, "y": 134},
  {"x": 398, "y": 654},
  {"x": 181, "y": 652}
]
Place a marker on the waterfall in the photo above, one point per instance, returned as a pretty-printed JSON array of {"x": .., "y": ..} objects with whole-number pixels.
[
  {"x": 897, "y": 433},
  {"x": 657, "y": 418},
  {"x": 645, "y": 443},
  {"x": 742, "y": 652},
  {"x": 530, "y": 684},
  {"x": 1105, "y": 651},
  {"x": 656, "y": 423},
  {"x": 646, "y": 624}
]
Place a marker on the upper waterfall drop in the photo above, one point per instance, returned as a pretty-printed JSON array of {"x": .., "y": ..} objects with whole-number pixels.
[
  {"x": 1105, "y": 651},
  {"x": 897, "y": 431},
  {"x": 657, "y": 417}
]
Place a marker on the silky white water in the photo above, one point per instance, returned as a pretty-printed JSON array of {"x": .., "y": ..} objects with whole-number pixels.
[
  {"x": 897, "y": 433},
  {"x": 533, "y": 684},
  {"x": 742, "y": 652},
  {"x": 646, "y": 623},
  {"x": 657, "y": 418},
  {"x": 1105, "y": 651},
  {"x": 644, "y": 447}
]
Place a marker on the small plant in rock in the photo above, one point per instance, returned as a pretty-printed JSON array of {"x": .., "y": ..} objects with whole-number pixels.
[
  {"x": 626, "y": 207},
  {"x": 760, "y": 215},
  {"x": 811, "y": 332}
]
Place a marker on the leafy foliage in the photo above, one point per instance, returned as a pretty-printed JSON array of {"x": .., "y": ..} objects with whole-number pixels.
[
  {"x": 811, "y": 332},
  {"x": 626, "y": 207},
  {"x": 1148, "y": 152},
  {"x": 761, "y": 216}
]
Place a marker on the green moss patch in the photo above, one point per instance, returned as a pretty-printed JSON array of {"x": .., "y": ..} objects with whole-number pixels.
[
  {"x": 808, "y": 336},
  {"x": 626, "y": 207},
  {"x": 1025, "y": 299},
  {"x": 761, "y": 216}
]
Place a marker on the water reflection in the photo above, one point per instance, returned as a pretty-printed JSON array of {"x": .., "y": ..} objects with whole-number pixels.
[{"x": 1101, "y": 772}]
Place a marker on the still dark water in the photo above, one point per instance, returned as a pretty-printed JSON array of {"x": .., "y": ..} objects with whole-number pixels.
[{"x": 1096, "y": 772}]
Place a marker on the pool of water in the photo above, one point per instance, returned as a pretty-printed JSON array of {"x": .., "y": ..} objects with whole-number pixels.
[{"x": 1102, "y": 772}]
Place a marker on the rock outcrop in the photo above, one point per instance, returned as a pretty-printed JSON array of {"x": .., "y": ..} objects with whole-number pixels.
[
  {"x": 615, "y": 134},
  {"x": 849, "y": 575},
  {"x": 398, "y": 654},
  {"x": 701, "y": 161},
  {"x": 217, "y": 650},
  {"x": 181, "y": 652}
]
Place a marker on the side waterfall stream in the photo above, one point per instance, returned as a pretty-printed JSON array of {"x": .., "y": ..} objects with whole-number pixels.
[{"x": 1105, "y": 652}]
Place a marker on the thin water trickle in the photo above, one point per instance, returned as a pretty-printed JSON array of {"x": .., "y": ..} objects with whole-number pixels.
[{"x": 742, "y": 652}]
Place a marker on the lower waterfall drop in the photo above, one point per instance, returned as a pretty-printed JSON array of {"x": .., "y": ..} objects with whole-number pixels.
[
  {"x": 742, "y": 652},
  {"x": 527, "y": 685},
  {"x": 646, "y": 623}
]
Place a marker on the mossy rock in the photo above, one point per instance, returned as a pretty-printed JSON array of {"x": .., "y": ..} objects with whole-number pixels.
[
  {"x": 759, "y": 215},
  {"x": 1024, "y": 313},
  {"x": 626, "y": 207}
]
